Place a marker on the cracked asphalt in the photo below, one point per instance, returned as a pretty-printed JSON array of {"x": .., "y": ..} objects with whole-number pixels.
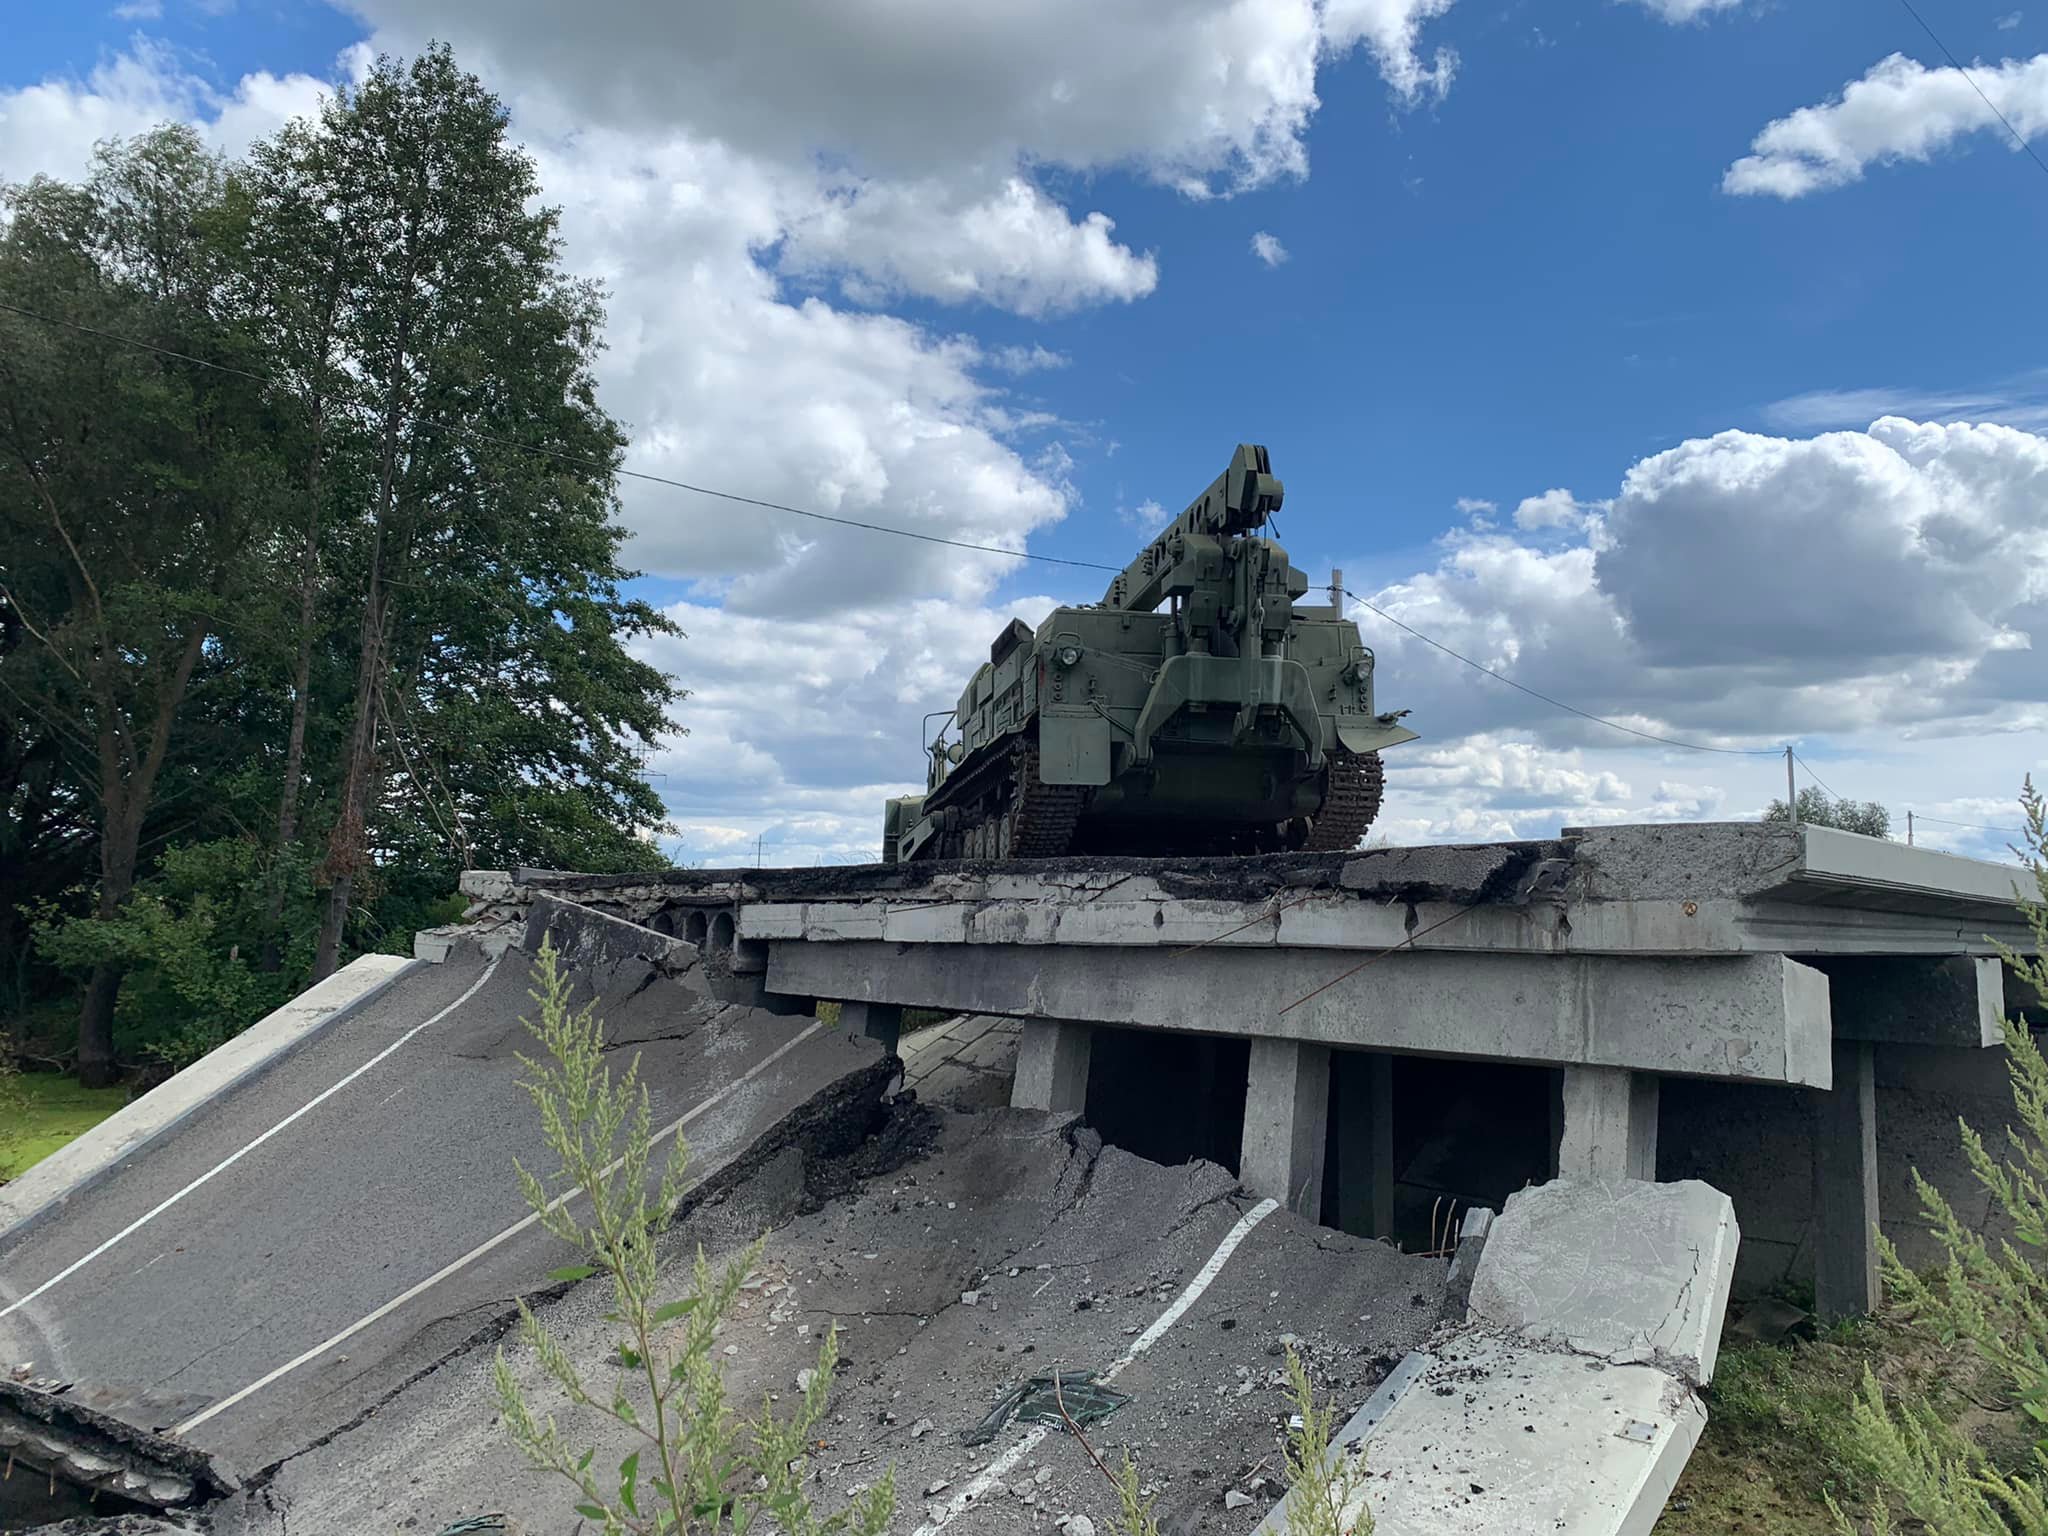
[
  {"x": 1069, "y": 1251},
  {"x": 405, "y": 1170}
]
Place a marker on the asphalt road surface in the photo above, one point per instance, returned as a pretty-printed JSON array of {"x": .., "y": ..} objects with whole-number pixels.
[
  {"x": 269, "y": 1271},
  {"x": 1010, "y": 1244}
]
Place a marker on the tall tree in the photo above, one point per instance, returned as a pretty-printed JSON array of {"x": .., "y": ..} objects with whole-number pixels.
[
  {"x": 299, "y": 260},
  {"x": 133, "y": 484},
  {"x": 491, "y": 511}
]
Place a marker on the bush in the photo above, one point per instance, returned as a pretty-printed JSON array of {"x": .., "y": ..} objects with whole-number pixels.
[
  {"x": 192, "y": 944},
  {"x": 1992, "y": 1298}
]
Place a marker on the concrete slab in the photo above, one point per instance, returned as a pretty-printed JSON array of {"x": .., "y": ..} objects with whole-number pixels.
[
  {"x": 1493, "y": 1439},
  {"x": 81, "y": 1164},
  {"x": 1624, "y": 1271},
  {"x": 1569, "y": 1401}
]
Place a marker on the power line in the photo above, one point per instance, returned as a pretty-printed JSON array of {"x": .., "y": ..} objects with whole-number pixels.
[
  {"x": 1970, "y": 825},
  {"x": 1823, "y": 783},
  {"x": 1612, "y": 725},
  {"x": 567, "y": 457},
  {"x": 270, "y": 382},
  {"x": 2018, "y": 137}
]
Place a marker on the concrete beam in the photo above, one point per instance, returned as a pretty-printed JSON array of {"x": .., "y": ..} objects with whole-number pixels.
[
  {"x": 1761, "y": 1018},
  {"x": 880, "y": 1022},
  {"x": 1910, "y": 1000},
  {"x": 1610, "y": 1124},
  {"x": 1052, "y": 1065},
  {"x": 1845, "y": 1173},
  {"x": 1365, "y": 1142},
  {"x": 1286, "y": 1119}
]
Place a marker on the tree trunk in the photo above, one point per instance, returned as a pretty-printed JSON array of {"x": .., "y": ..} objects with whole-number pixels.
[
  {"x": 302, "y": 679},
  {"x": 127, "y": 787},
  {"x": 96, "y": 1065},
  {"x": 120, "y": 837},
  {"x": 346, "y": 844}
]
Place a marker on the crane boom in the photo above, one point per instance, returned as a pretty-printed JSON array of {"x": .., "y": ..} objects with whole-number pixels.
[{"x": 1237, "y": 501}]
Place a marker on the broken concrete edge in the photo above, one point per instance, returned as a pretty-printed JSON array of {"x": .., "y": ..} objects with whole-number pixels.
[
  {"x": 1567, "y": 1344},
  {"x": 595, "y": 943},
  {"x": 1623, "y": 862},
  {"x": 78, "y": 1166},
  {"x": 1624, "y": 1271},
  {"x": 98, "y": 1452}
]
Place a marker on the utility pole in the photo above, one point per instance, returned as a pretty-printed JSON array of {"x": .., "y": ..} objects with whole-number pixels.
[
  {"x": 757, "y": 848},
  {"x": 1909, "y": 829},
  {"x": 1336, "y": 589},
  {"x": 1791, "y": 788}
]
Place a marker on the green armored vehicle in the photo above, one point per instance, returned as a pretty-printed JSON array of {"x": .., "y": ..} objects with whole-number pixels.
[{"x": 1231, "y": 721}]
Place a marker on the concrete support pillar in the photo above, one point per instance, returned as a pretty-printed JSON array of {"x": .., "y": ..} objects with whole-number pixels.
[
  {"x": 882, "y": 1022},
  {"x": 1286, "y": 1117},
  {"x": 1610, "y": 1124},
  {"x": 1365, "y": 1142},
  {"x": 1845, "y": 1270},
  {"x": 1052, "y": 1065}
]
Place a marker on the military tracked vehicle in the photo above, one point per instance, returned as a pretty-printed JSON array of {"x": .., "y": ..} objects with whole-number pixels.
[{"x": 1234, "y": 720}]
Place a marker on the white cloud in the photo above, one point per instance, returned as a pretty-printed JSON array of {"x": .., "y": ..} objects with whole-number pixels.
[
  {"x": 1205, "y": 95},
  {"x": 1899, "y": 110},
  {"x": 1036, "y": 358},
  {"x": 1743, "y": 588},
  {"x": 1016, "y": 249},
  {"x": 139, "y": 10},
  {"x": 2009, "y": 20},
  {"x": 1268, "y": 248},
  {"x": 1147, "y": 517},
  {"x": 1679, "y": 11},
  {"x": 1392, "y": 30},
  {"x": 49, "y": 128},
  {"x": 1553, "y": 509},
  {"x": 1475, "y": 506}
]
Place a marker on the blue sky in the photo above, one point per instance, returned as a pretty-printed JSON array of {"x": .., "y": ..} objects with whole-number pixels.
[{"x": 1522, "y": 256}]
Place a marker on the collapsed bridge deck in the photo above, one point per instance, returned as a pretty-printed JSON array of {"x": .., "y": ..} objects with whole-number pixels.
[{"x": 1619, "y": 958}]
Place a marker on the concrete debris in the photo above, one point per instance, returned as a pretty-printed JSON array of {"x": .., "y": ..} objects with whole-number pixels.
[
  {"x": 1633, "y": 1272},
  {"x": 100, "y": 1453}
]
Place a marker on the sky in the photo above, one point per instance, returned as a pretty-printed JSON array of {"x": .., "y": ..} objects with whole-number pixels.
[{"x": 1681, "y": 360}]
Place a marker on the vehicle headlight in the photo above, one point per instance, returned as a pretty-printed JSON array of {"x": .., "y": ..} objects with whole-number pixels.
[{"x": 1070, "y": 655}]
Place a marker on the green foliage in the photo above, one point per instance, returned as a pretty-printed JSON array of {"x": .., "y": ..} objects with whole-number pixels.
[
  {"x": 1817, "y": 808},
  {"x": 191, "y": 557},
  {"x": 13, "y": 1110},
  {"x": 1992, "y": 1298},
  {"x": 1327, "y": 1486},
  {"x": 696, "y": 1467},
  {"x": 1134, "y": 1510},
  {"x": 190, "y": 943}
]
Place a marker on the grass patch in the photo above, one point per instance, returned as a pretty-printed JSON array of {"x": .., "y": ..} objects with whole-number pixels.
[
  {"x": 58, "y": 1110},
  {"x": 1777, "y": 1415}
]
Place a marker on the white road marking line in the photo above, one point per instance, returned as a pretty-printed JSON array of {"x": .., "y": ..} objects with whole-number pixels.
[
  {"x": 235, "y": 1157},
  {"x": 1001, "y": 1467},
  {"x": 485, "y": 1246}
]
